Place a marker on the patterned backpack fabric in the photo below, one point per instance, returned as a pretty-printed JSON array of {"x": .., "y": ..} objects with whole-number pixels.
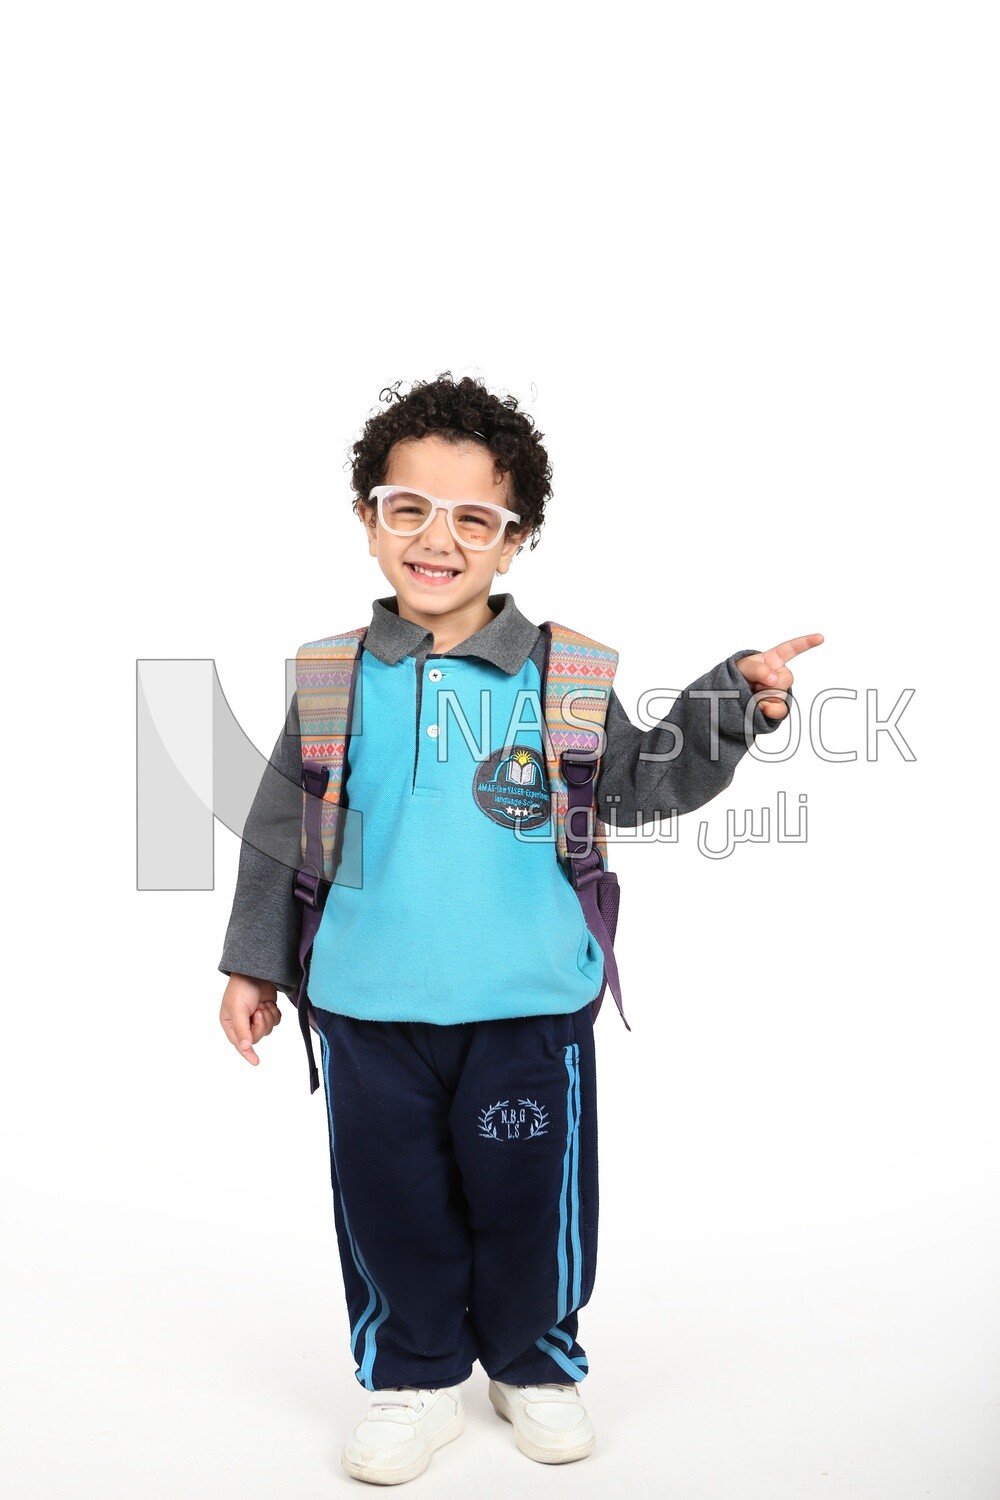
[
  {"x": 576, "y": 691},
  {"x": 324, "y": 681}
]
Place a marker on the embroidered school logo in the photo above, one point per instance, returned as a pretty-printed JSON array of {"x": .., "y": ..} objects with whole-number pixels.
[
  {"x": 522, "y": 1121},
  {"x": 510, "y": 787}
]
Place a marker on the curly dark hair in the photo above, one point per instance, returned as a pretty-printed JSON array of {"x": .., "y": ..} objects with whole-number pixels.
[{"x": 461, "y": 411}]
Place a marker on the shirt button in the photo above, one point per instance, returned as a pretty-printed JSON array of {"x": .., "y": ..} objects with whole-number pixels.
[
  {"x": 433, "y": 731},
  {"x": 435, "y": 674}
]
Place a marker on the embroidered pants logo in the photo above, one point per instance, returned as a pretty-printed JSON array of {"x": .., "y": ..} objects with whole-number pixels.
[
  {"x": 504, "y": 1121},
  {"x": 510, "y": 787}
]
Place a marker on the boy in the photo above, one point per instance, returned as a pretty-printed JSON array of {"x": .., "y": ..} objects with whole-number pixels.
[{"x": 452, "y": 986}]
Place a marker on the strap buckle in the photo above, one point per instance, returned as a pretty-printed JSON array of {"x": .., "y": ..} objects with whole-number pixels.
[
  {"x": 306, "y": 887},
  {"x": 577, "y": 772}
]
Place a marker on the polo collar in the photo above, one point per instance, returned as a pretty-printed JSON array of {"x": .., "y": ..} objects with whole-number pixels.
[{"x": 506, "y": 640}]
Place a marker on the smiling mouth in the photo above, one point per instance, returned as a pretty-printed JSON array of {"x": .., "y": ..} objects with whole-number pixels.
[{"x": 434, "y": 574}]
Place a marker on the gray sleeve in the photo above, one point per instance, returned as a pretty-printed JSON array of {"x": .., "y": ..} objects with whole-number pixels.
[
  {"x": 262, "y": 939},
  {"x": 632, "y": 790}
]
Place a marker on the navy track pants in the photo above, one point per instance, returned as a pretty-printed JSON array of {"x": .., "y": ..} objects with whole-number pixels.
[{"x": 464, "y": 1168}]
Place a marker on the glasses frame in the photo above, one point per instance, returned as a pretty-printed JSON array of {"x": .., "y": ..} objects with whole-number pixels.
[{"x": 381, "y": 492}]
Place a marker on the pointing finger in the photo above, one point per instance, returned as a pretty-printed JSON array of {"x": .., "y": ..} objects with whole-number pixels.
[{"x": 787, "y": 649}]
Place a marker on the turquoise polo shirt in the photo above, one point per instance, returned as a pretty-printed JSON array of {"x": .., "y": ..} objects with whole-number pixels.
[{"x": 450, "y": 904}]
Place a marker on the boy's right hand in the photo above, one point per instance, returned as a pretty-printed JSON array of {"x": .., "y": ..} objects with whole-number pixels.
[{"x": 249, "y": 1011}]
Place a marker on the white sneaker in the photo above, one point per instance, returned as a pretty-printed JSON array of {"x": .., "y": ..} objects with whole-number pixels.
[
  {"x": 550, "y": 1421},
  {"x": 404, "y": 1426}
]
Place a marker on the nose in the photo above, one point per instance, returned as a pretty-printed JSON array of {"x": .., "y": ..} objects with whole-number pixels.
[{"x": 439, "y": 532}]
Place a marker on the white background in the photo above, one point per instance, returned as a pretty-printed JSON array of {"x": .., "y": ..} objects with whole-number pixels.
[{"x": 739, "y": 265}]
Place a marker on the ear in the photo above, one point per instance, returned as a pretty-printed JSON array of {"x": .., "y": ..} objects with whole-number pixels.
[
  {"x": 367, "y": 515},
  {"x": 512, "y": 544}
]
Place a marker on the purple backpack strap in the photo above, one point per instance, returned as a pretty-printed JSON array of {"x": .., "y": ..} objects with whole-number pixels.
[
  {"x": 596, "y": 887},
  {"x": 579, "y": 670},
  {"x": 306, "y": 889}
]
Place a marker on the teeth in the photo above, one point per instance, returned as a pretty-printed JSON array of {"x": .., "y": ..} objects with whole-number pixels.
[{"x": 435, "y": 572}]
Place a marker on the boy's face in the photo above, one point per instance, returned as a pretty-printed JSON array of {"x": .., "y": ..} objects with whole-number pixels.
[{"x": 451, "y": 472}]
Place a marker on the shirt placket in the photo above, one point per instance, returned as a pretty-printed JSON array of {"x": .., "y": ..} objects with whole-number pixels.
[{"x": 432, "y": 668}]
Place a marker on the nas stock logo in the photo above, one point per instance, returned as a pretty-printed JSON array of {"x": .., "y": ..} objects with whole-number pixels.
[{"x": 511, "y": 788}]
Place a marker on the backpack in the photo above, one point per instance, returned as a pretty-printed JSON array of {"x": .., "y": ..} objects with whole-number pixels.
[{"x": 326, "y": 673}]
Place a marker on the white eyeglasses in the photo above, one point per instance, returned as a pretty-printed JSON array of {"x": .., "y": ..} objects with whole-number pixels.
[{"x": 473, "y": 523}]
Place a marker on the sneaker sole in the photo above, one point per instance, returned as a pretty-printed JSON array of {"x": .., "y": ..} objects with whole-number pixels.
[
  {"x": 370, "y": 1474},
  {"x": 531, "y": 1450}
]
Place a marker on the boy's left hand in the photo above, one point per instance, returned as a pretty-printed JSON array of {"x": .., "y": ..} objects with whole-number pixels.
[{"x": 766, "y": 669}]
